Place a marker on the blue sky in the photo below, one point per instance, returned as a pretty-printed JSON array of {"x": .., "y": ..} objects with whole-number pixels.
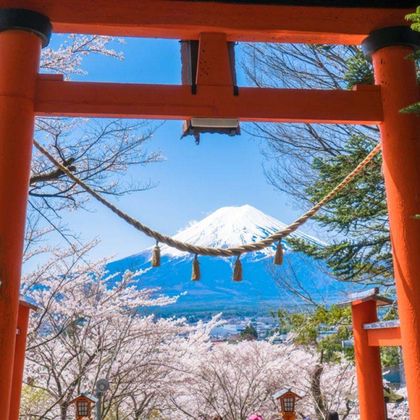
[{"x": 193, "y": 181}]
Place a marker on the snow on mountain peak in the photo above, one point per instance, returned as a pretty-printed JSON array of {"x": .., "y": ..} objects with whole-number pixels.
[{"x": 230, "y": 226}]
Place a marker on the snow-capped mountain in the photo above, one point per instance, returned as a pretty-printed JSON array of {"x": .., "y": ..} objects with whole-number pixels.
[
  {"x": 226, "y": 227},
  {"x": 231, "y": 226}
]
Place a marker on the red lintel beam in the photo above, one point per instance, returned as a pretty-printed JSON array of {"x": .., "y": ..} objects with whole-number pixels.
[
  {"x": 85, "y": 99},
  {"x": 241, "y": 22},
  {"x": 384, "y": 337}
]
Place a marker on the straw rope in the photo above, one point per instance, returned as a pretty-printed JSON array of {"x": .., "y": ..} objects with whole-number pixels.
[{"x": 215, "y": 252}]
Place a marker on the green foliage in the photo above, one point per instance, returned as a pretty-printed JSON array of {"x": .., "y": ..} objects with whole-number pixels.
[
  {"x": 414, "y": 18},
  {"x": 32, "y": 399},
  {"x": 390, "y": 356},
  {"x": 323, "y": 329},
  {"x": 412, "y": 108},
  {"x": 249, "y": 333},
  {"x": 358, "y": 215},
  {"x": 359, "y": 70},
  {"x": 326, "y": 328}
]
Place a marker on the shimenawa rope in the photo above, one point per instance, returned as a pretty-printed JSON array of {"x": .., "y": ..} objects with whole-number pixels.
[{"x": 215, "y": 252}]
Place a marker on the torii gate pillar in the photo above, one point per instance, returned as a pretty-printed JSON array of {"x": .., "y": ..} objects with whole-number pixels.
[
  {"x": 21, "y": 35},
  {"x": 368, "y": 362},
  {"x": 19, "y": 361},
  {"x": 395, "y": 72}
]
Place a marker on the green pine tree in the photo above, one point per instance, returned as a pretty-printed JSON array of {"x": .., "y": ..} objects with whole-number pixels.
[
  {"x": 358, "y": 216},
  {"x": 249, "y": 333},
  {"x": 414, "y": 18},
  {"x": 324, "y": 329},
  {"x": 306, "y": 161}
]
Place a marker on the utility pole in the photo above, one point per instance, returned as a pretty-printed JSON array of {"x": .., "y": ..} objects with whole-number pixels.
[{"x": 101, "y": 387}]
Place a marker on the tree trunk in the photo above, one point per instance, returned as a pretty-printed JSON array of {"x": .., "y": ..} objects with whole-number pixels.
[
  {"x": 316, "y": 391},
  {"x": 63, "y": 411}
]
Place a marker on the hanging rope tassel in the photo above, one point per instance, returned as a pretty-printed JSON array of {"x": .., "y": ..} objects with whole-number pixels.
[
  {"x": 156, "y": 256},
  {"x": 237, "y": 270},
  {"x": 196, "y": 275},
  {"x": 278, "y": 257}
]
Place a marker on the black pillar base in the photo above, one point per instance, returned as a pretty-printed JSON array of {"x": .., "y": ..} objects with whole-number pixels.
[
  {"x": 391, "y": 36},
  {"x": 26, "y": 20}
]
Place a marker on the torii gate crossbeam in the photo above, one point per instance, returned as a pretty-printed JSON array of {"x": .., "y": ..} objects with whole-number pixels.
[
  {"x": 83, "y": 99},
  {"x": 24, "y": 93},
  {"x": 252, "y": 21}
]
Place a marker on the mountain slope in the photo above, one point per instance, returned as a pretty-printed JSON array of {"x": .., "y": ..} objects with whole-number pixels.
[{"x": 230, "y": 226}]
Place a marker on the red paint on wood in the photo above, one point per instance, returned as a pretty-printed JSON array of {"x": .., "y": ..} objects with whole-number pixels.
[
  {"x": 19, "y": 52},
  {"x": 81, "y": 99},
  {"x": 368, "y": 364},
  {"x": 19, "y": 362},
  {"x": 241, "y": 22},
  {"x": 384, "y": 337},
  {"x": 400, "y": 134}
]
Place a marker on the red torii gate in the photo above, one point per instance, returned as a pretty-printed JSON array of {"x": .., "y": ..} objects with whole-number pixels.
[
  {"x": 382, "y": 30},
  {"x": 369, "y": 335}
]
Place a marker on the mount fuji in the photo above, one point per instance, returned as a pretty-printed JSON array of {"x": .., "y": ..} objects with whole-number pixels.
[{"x": 263, "y": 285}]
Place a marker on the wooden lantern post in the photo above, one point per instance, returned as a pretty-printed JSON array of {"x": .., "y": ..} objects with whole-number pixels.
[
  {"x": 286, "y": 400},
  {"x": 83, "y": 407}
]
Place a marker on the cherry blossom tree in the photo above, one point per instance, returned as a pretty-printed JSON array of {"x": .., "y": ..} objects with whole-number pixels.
[
  {"x": 99, "y": 151},
  {"x": 92, "y": 325},
  {"x": 234, "y": 381}
]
